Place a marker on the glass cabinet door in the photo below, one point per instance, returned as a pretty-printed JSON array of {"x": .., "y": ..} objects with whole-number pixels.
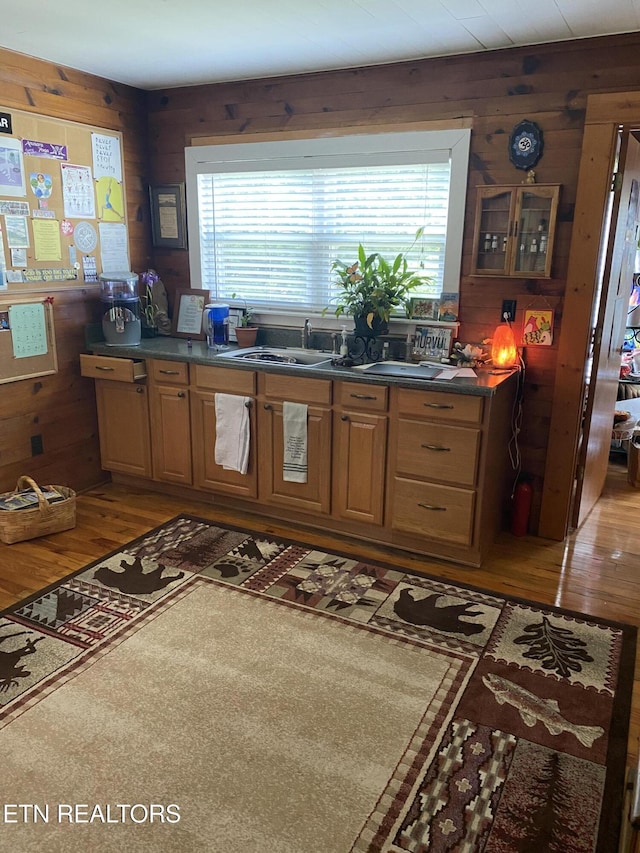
[
  {"x": 493, "y": 222},
  {"x": 535, "y": 224}
]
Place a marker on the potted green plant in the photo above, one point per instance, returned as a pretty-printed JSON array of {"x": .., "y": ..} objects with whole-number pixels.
[
  {"x": 371, "y": 287},
  {"x": 247, "y": 329}
]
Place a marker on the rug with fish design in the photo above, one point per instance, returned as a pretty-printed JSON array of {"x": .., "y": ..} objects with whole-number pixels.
[{"x": 208, "y": 688}]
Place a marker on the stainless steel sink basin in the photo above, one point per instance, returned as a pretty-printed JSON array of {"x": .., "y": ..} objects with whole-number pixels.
[{"x": 291, "y": 356}]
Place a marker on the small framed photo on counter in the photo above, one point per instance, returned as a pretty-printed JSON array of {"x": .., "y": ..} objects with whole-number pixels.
[{"x": 168, "y": 216}]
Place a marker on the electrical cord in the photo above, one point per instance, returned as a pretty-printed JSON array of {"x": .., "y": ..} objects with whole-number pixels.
[{"x": 516, "y": 424}]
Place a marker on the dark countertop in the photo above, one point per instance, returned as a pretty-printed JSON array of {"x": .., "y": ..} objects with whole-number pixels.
[{"x": 177, "y": 349}]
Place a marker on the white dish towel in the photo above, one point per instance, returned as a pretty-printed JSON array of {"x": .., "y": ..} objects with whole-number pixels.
[
  {"x": 294, "y": 427},
  {"x": 233, "y": 432}
]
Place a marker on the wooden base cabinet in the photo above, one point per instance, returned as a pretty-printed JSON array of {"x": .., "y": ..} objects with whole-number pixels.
[
  {"x": 359, "y": 452},
  {"x": 417, "y": 468},
  {"x": 170, "y": 421},
  {"x": 207, "y": 474},
  {"x": 447, "y": 470},
  {"x": 123, "y": 418},
  {"x": 313, "y": 496},
  {"x": 123, "y": 412}
]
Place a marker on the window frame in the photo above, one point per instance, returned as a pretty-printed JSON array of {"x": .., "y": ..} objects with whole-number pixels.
[{"x": 368, "y": 147}]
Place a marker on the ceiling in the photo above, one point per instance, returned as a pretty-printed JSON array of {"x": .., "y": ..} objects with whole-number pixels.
[{"x": 154, "y": 44}]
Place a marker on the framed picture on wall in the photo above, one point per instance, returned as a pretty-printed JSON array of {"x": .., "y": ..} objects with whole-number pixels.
[{"x": 168, "y": 216}]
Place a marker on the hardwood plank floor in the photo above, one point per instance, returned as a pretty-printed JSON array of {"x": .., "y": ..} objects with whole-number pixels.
[{"x": 595, "y": 571}]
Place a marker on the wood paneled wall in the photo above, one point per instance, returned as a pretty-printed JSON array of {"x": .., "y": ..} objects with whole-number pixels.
[
  {"x": 61, "y": 407},
  {"x": 546, "y": 84}
]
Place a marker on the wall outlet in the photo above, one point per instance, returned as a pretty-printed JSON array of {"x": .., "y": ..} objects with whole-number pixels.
[{"x": 508, "y": 308}]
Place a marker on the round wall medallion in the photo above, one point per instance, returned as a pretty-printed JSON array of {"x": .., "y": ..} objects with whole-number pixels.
[
  {"x": 525, "y": 145},
  {"x": 86, "y": 238}
]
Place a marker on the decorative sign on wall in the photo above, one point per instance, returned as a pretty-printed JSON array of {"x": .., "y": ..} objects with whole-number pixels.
[
  {"x": 525, "y": 145},
  {"x": 538, "y": 327}
]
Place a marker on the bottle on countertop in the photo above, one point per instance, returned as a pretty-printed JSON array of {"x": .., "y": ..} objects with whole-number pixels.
[{"x": 344, "y": 347}]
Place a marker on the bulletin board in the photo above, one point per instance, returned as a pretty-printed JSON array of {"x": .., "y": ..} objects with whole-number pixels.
[
  {"x": 63, "y": 212},
  {"x": 27, "y": 339}
]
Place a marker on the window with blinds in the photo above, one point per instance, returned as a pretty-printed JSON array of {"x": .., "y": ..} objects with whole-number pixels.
[{"x": 271, "y": 218}]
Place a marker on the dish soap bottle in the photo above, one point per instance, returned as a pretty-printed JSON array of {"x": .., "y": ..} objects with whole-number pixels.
[{"x": 344, "y": 349}]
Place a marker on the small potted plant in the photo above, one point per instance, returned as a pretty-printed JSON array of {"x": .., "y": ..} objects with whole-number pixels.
[
  {"x": 246, "y": 330},
  {"x": 372, "y": 287}
]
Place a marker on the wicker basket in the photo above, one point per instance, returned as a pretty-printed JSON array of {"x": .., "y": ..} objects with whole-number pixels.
[{"x": 18, "y": 525}]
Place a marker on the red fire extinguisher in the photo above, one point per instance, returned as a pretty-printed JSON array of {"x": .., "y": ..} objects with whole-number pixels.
[{"x": 521, "y": 508}]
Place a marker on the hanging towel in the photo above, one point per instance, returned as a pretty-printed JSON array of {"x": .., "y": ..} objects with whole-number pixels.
[
  {"x": 233, "y": 436},
  {"x": 294, "y": 427}
]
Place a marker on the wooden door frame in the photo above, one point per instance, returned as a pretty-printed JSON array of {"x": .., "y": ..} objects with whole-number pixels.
[{"x": 604, "y": 116}]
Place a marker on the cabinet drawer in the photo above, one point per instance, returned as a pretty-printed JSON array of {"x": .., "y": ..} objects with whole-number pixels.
[
  {"x": 433, "y": 512},
  {"x": 296, "y": 389},
  {"x": 361, "y": 395},
  {"x": 224, "y": 379},
  {"x": 169, "y": 372},
  {"x": 107, "y": 367},
  {"x": 440, "y": 406},
  {"x": 437, "y": 452}
]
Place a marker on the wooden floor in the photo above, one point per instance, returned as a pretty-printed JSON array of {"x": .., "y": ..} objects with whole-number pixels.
[{"x": 595, "y": 571}]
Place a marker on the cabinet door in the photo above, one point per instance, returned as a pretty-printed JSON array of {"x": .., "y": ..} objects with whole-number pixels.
[
  {"x": 359, "y": 448},
  {"x": 206, "y": 474},
  {"x": 123, "y": 421},
  {"x": 171, "y": 433},
  {"x": 492, "y": 239},
  {"x": 535, "y": 222},
  {"x": 314, "y": 495}
]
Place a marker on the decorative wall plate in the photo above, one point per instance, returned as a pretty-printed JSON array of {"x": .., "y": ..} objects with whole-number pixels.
[
  {"x": 86, "y": 237},
  {"x": 525, "y": 145}
]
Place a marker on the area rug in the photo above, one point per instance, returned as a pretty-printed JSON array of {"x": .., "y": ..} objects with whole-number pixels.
[{"x": 211, "y": 689}]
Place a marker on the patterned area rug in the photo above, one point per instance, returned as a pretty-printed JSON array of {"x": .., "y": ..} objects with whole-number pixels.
[{"x": 206, "y": 688}]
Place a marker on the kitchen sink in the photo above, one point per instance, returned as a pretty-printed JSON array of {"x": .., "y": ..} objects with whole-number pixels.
[{"x": 290, "y": 356}]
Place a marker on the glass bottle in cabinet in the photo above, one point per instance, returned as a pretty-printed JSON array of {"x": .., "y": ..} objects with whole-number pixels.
[{"x": 514, "y": 230}]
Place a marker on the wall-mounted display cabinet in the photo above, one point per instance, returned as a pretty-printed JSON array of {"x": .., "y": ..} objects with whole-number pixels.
[{"x": 514, "y": 230}]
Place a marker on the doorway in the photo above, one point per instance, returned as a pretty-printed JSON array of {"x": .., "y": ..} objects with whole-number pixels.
[{"x": 606, "y": 114}]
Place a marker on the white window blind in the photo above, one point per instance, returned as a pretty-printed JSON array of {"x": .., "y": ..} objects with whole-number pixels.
[{"x": 270, "y": 226}]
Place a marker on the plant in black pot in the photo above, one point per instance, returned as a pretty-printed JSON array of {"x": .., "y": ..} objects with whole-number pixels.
[{"x": 372, "y": 287}]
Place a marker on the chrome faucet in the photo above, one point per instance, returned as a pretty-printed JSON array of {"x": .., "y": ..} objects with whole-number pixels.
[{"x": 306, "y": 334}]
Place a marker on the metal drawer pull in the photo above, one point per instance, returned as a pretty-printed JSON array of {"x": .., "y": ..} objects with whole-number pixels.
[
  {"x": 433, "y": 507},
  {"x": 170, "y": 372},
  {"x": 248, "y": 404},
  {"x": 435, "y": 447},
  {"x": 344, "y": 417},
  {"x": 139, "y": 390},
  {"x": 181, "y": 394},
  {"x": 100, "y": 367},
  {"x": 363, "y": 397},
  {"x": 268, "y": 407},
  {"x": 439, "y": 405}
]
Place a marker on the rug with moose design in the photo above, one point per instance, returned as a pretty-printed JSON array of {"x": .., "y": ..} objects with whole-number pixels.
[{"x": 211, "y": 689}]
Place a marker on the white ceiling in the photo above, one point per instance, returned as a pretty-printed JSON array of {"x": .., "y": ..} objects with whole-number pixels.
[{"x": 154, "y": 44}]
